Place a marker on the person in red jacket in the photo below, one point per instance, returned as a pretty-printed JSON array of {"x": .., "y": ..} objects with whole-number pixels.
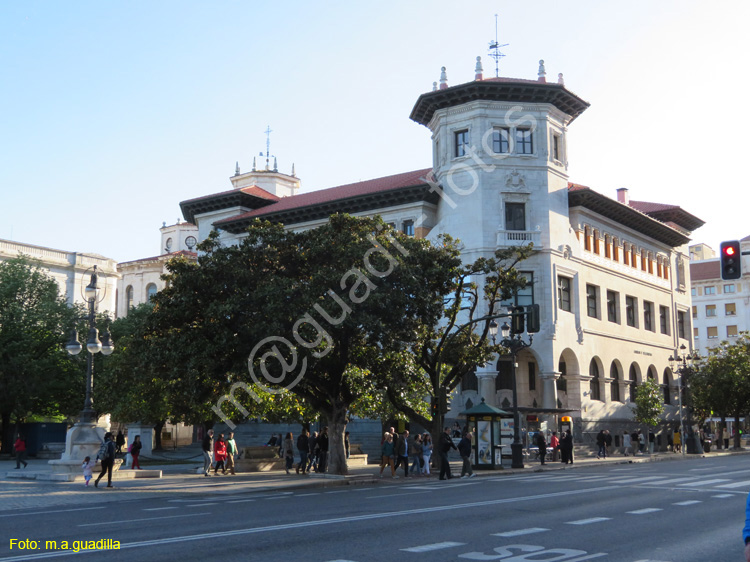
[
  {"x": 20, "y": 447},
  {"x": 220, "y": 454}
]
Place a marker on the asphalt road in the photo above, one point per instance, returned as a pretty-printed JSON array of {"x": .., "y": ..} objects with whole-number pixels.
[{"x": 677, "y": 511}]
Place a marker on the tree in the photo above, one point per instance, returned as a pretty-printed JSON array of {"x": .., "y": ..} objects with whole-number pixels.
[
  {"x": 36, "y": 376},
  {"x": 648, "y": 404},
  {"x": 448, "y": 350},
  {"x": 310, "y": 313}
]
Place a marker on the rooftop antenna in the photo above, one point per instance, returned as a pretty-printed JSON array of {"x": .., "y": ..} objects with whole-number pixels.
[
  {"x": 495, "y": 51},
  {"x": 268, "y": 132}
]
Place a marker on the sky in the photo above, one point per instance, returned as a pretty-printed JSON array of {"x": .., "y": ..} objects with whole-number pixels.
[{"x": 114, "y": 112}]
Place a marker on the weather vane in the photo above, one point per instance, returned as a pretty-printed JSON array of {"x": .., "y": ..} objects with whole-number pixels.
[{"x": 495, "y": 51}]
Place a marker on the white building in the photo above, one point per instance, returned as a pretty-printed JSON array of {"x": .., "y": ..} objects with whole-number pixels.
[
  {"x": 610, "y": 275},
  {"x": 721, "y": 309}
]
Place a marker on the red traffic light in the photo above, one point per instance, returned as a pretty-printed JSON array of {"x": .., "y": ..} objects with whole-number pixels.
[
  {"x": 731, "y": 264},
  {"x": 729, "y": 250}
]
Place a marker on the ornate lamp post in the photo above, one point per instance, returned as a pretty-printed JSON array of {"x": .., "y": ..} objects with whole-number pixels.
[
  {"x": 682, "y": 363},
  {"x": 513, "y": 343},
  {"x": 93, "y": 345}
]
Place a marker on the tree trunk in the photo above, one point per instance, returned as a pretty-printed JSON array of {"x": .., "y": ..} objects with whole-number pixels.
[
  {"x": 157, "y": 435},
  {"x": 436, "y": 430},
  {"x": 737, "y": 443},
  {"x": 336, "y": 453},
  {"x": 7, "y": 434}
]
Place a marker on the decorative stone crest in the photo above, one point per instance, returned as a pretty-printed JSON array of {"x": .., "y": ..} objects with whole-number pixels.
[
  {"x": 566, "y": 251},
  {"x": 515, "y": 180}
]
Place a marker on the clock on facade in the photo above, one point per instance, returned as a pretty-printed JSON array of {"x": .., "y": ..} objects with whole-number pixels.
[{"x": 190, "y": 242}]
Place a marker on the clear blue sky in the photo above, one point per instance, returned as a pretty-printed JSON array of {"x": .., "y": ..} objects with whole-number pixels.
[{"x": 114, "y": 112}]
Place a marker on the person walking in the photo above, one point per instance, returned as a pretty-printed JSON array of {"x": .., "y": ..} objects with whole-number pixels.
[
  {"x": 303, "y": 448},
  {"x": 566, "y": 445},
  {"x": 386, "y": 455},
  {"x": 415, "y": 452},
  {"x": 107, "y": 457},
  {"x": 231, "y": 452},
  {"x": 426, "y": 453},
  {"x": 626, "y": 443},
  {"x": 602, "y": 453},
  {"x": 88, "y": 469},
  {"x": 677, "y": 440},
  {"x": 220, "y": 455},
  {"x": 20, "y": 447},
  {"x": 323, "y": 450},
  {"x": 608, "y": 442},
  {"x": 135, "y": 452},
  {"x": 119, "y": 442},
  {"x": 464, "y": 449},
  {"x": 208, "y": 450},
  {"x": 346, "y": 444},
  {"x": 541, "y": 444},
  {"x": 312, "y": 463},
  {"x": 554, "y": 442},
  {"x": 287, "y": 449},
  {"x": 444, "y": 446},
  {"x": 635, "y": 440},
  {"x": 402, "y": 452}
]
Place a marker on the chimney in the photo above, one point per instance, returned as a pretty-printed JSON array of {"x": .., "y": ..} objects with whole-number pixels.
[
  {"x": 443, "y": 79},
  {"x": 478, "y": 69},
  {"x": 622, "y": 195},
  {"x": 542, "y": 74}
]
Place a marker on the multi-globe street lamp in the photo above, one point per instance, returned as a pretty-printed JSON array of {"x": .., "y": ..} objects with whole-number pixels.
[
  {"x": 513, "y": 343},
  {"x": 93, "y": 345},
  {"x": 682, "y": 363}
]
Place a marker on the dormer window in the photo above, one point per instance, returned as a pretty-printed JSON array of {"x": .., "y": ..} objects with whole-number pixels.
[
  {"x": 461, "y": 142},
  {"x": 524, "y": 144}
]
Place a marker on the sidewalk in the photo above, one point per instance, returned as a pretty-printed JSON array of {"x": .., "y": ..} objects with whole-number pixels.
[{"x": 183, "y": 480}]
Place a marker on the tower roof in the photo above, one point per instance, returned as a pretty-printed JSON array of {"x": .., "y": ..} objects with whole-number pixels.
[{"x": 499, "y": 89}]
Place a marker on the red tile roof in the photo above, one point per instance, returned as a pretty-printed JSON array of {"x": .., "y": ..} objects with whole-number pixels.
[
  {"x": 250, "y": 190},
  {"x": 704, "y": 270}
]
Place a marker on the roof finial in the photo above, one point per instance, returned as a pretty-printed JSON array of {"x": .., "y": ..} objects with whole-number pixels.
[
  {"x": 253, "y": 163},
  {"x": 443, "y": 78},
  {"x": 542, "y": 72},
  {"x": 434, "y": 86},
  {"x": 293, "y": 174},
  {"x": 275, "y": 167},
  {"x": 560, "y": 79},
  {"x": 478, "y": 69},
  {"x": 237, "y": 169},
  {"x": 495, "y": 51}
]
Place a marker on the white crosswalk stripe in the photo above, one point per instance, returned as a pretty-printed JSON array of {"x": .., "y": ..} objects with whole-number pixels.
[
  {"x": 704, "y": 482},
  {"x": 743, "y": 484},
  {"x": 588, "y": 521},
  {"x": 645, "y": 510},
  {"x": 521, "y": 532},
  {"x": 431, "y": 547}
]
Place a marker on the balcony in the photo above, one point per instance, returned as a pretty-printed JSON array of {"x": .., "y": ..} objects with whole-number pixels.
[{"x": 507, "y": 238}]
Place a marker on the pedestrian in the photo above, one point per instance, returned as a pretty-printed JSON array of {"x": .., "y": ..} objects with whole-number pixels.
[
  {"x": 554, "y": 442},
  {"x": 541, "y": 443},
  {"x": 208, "y": 450},
  {"x": 107, "y": 457},
  {"x": 303, "y": 448},
  {"x": 746, "y": 529},
  {"x": 288, "y": 451},
  {"x": 626, "y": 443},
  {"x": 272, "y": 442},
  {"x": 88, "y": 469},
  {"x": 415, "y": 452},
  {"x": 601, "y": 444},
  {"x": 313, "y": 460},
  {"x": 346, "y": 444},
  {"x": 220, "y": 455},
  {"x": 119, "y": 442},
  {"x": 231, "y": 452},
  {"x": 323, "y": 450},
  {"x": 635, "y": 439},
  {"x": 641, "y": 442},
  {"x": 426, "y": 452},
  {"x": 651, "y": 441},
  {"x": 464, "y": 449},
  {"x": 20, "y": 447},
  {"x": 456, "y": 431},
  {"x": 135, "y": 451},
  {"x": 402, "y": 452},
  {"x": 608, "y": 442},
  {"x": 566, "y": 445},
  {"x": 445, "y": 444},
  {"x": 386, "y": 455},
  {"x": 677, "y": 440}
]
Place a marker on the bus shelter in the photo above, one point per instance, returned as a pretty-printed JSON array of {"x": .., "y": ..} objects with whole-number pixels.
[{"x": 492, "y": 429}]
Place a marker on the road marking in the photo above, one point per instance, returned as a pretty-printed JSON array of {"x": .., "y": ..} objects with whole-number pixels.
[
  {"x": 520, "y": 532},
  {"x": 310, "y": 494},
  {"x": 722, "y": 496},
  {"x": 742, "y": 484},
  {"x": 704, "y": 482},
  {"x": 158, "y": 508},
  {"x": 396, "y": 495},
  {"x": 672, "y": 480},
  {"x": 201, "y": 504},
  {"x": 688, "y": 502},
  {"x": 340, "y": 561},
  {"x": 639, "y": 479},
  {"x": 338, "y": 492},
  {"x": 240, "y": 501},
  {"x": 646, "y": 510},
  {"x": 431, "y": 547},
  {"x": 160, "y": 518},
  {"x": 50, "y": 511},
  {"x": 588, "y": 521},
  {"x": 706, "y": 469},
  {"x": 320, "y": 522}
]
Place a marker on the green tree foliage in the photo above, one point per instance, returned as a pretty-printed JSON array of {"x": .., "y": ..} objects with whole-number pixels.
[
  {"x": 311, "y": 312},
  {"x": 36, "y": 375},
  {"x": 648, "y": 403}
]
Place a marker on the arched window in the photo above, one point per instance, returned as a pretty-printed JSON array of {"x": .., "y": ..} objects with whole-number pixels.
[
  {"x": 633, "y": 382},
  {"x": 469, "y": 382},
  {"x": 151, "y": 290},
  {"x": 129, "y": 297},
  {"x": 562, "y": 382},
  {"x": 504, "y": 380},
  {"x": 667, "y": 390},
  {"x": 595, "y": 387},
  {"x": 614, "y": 374}
]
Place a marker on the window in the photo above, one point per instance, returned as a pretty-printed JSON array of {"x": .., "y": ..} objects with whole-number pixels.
[
  {"x": 643, "y": 260},
  {"x": 129, "y": 297},
  {"x": 190, "y": 242},
  {"x": 709, "y": 290},
  {"x": 408, "y": 228},
  {"x": 667, "y": 392},
  {"x": 710, "y": 310},
  {"x": 633, "y": 382},
  {"x": 695, "y": 312},
  {"x": 681, "y": 324},
  {"x": 692, "y": 292},
  {"x": 625, "y": 256},
  {"x": 532, "y": 376},
  {"x": 562, "y": 382},
  {"x": 713, "y": 332},
  {"x": 504, "y": 379},
  {"x": 695, "y": 333},
  {"x": 594, "y": 372},
  {"x": 730, "y": 309},
  {"x": 563, "y": 293},
  {"x": 732, "y": 332},
  {"x": 613, "y": 301},
  {"x": 729, "y": 288},
  {"x": 525, "y": 296},
  {"x": 556, "y": 147},
  {"x": 633, "y": 257},
  {"x": 664, "y": 320},
  {"x": 462, "y": 142},
  {"x": 515, "y": 216},
  {"x": 614, "y": 374},
  {"x": 391, "y": 225},
  {"x": 523, "y": 141},
  {"x": 469, "y": 382},
  {"x": 587, "y": 238},
  {"x": 596, "y": 241},
  {"x": 615, "y": 250},
  {"x": 607, "y": 246},
  {"x": 648, "y": 316},
  {"x": 500, "y": 141},
  {"x": 151, "y": 291},
  {"x": 592, "y": 301},
  {"x": 630, "y": 304}
]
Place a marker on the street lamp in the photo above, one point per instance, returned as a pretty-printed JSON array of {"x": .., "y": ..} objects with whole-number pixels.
[
  {"x": 682, "y": 363},
  {"x": 93, "y": 345},
  {"x": 513, "y": 343}
]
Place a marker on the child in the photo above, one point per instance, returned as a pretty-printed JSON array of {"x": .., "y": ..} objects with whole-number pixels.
[{"x": 87, "y": 467}]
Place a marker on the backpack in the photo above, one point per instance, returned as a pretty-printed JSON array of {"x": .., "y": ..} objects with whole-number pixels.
[{"x": 102, "y": 454}]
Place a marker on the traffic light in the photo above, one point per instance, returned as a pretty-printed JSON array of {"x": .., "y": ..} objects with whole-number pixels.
[
  {"x": 532, "y": 322},
  {"x": 731, "y": 260},
  {"x": 434, "y": 408},
  {"x": 517, "y": 320}
]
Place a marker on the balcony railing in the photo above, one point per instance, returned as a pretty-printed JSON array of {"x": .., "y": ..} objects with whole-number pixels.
[{"x": 518, "y": 238}]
